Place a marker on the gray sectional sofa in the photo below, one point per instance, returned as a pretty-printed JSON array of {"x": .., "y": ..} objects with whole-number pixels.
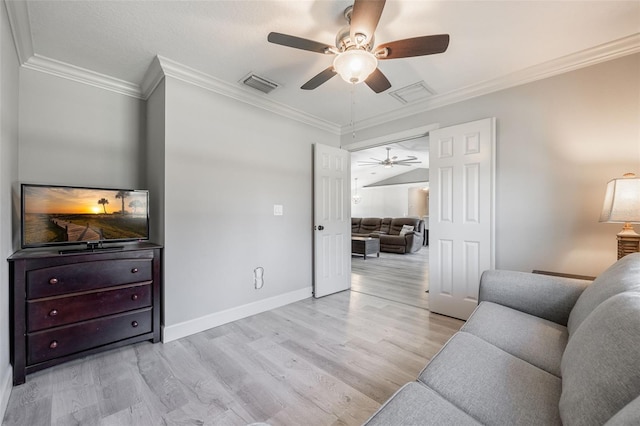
[
  {"x": 538, "y": 350},
  {"x": 389, "y": 231}
]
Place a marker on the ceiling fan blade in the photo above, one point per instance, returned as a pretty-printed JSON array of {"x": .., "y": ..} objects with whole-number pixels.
[
  {"x": 377, "y": 82},
  {"x": 298, "y": 43},
  {"x": 417, "y": 46},
  {"x": 364, "y": 18},
  {"x": 319, "y": 79}
]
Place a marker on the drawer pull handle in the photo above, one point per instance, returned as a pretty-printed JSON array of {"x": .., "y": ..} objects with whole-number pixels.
[
  {"x": 134, "y": 297},
  {"x": 134, "y": 324},
  {"x": 53, "y": 281},
  {"x": 53, "y": 345},
  {"x": 134, "y": 270},
  {"x": 53, "y": 313}
]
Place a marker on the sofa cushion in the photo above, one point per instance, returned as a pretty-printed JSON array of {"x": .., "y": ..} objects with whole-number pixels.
[
  {"x": 601, "y": 364},
  {"x": 398, "y": 222},
  {"x": 355, "y": 225},
  {"x": 416, "y": 404},
  {"x": 629, "y": 415},
  {"x": 544, "y": 296},
  {"x": 369, "y": 225},
  {"x": 622, "y": 276},
  {"x": 535, "y": 340},
  {"x": 491, "y": 385},
  {"x": 384, "y": 225}
]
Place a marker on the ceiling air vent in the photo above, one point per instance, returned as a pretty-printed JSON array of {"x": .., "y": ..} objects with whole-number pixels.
[
  {"x": 413, "y": 93},
  {"x": 259, "y": 83}
]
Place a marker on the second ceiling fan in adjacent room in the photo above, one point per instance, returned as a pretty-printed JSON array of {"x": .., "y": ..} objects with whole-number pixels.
[{"x": 391, "y": 161}]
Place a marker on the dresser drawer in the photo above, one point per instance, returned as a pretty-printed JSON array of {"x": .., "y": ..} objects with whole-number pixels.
[
  {"x": 56, "y": 311},
  {"x": 65, "y": 340},
  {"x": 75, "y": 277}
]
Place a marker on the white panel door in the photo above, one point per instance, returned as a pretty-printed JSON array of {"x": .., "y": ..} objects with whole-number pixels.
[
  {"x": 332, "y": 220},
  {"x": 461, "y": 214}
]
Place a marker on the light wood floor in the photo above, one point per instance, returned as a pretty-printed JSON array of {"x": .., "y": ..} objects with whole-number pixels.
[
  {"x": 403, "y": 278},
  {"x": 329, "y": 361}
]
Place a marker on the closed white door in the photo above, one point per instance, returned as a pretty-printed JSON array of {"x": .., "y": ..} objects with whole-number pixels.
[
  {"x": 332, "y": 220},
  {"x": 461, "y": 214}
]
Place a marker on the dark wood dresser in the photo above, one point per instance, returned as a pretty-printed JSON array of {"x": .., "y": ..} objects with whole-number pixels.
[{"x": 66, "y": 306}]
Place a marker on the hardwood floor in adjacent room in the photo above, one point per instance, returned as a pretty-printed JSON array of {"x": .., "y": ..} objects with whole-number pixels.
[
  {"x": 402, "y": 278},
  {"x": 329, "y": 361}
]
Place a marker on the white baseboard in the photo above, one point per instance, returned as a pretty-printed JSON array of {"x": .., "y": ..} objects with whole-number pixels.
[
  {"x": 206, "y": 322},
  {"x": 6, "y": 384}
]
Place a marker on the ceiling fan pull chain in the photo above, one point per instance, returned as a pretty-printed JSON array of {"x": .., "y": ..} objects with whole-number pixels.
[{"x": 353, "y": 107}]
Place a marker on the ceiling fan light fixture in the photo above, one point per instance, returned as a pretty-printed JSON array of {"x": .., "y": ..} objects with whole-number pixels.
[{"x": 355, "y": 65}]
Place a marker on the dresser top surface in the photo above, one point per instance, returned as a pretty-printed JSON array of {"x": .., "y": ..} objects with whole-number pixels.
[{"x": 47, "y": 252}]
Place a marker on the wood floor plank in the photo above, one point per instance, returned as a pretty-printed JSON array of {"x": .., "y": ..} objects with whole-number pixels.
[
  {"x": 402, "y": 278},
  {"x": 328, "y": 361}
]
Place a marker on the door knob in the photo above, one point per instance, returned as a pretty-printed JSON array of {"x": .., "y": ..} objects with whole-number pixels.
[{"x": 320, "y": 227}]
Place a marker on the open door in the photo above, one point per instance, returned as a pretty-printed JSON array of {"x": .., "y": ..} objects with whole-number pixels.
[
  {"x": 461, "y": 209},
  {"x": 331, "y": 220}
]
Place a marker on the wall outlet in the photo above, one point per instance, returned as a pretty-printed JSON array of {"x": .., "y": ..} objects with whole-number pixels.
[
  {"x": 258, "y": 277},
  {"x": 278, "y": 210}
]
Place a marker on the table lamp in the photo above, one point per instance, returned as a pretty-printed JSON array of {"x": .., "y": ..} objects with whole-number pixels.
[{"x": 622, "y": 205}]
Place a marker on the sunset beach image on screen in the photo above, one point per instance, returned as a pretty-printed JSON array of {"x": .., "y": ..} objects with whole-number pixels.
[{"x": 54, "y": 215}]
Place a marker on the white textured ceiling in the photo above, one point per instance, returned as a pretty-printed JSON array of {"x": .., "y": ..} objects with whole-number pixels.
[{"x": 228, "y": 39}]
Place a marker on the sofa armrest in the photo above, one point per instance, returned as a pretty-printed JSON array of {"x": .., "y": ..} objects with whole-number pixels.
[{"x": 544, "y": 296}]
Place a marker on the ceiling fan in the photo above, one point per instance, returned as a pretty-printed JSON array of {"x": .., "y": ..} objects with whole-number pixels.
[
  {"x": 356, "y": 56},
  {"x": 390, "y": 161}
]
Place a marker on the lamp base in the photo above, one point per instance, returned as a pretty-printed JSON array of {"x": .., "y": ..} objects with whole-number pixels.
[{"x": 628, "y": 241}]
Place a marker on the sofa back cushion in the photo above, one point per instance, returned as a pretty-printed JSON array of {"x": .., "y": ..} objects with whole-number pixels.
[
  {"x": 355, "y": 225},
  {"x": 385, "y": 224},
  {"x": 624, "y": 275},
  {"x": 600, "y": 365},
  {"x": 398, "y": 222},
  {"x": 370, "y": 224}
]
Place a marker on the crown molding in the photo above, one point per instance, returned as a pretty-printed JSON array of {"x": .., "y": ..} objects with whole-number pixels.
[
  {"x": 152, "y": 77},
  {"x": 189, "y": 75},
  {"x": 82, "y": 75},
  {"x": 585, "y": 58},
  {"x": 20, "y": 28},
  {"x": 18, "y": 12}
]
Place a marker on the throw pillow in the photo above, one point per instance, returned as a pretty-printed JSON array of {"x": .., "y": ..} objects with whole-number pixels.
[{"x": 405, "y": 229}]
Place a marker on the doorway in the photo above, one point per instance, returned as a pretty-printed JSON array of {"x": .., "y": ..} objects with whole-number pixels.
[{"x": 400, "y": 190}]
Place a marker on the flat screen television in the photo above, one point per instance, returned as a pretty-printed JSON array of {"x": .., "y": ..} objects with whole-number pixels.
[{"x": 63, "y": 215}]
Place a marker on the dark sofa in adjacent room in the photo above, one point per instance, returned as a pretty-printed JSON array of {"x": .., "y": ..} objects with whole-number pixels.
[{"x": 394, "y": 233}]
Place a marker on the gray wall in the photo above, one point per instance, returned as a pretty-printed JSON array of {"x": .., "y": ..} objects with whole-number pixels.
[
  {"x": 9, "y": 78},
  {"x": 76, "y": 134},
  {"x": 559, "y": 141},
  {"x": 226, "y": 165}
]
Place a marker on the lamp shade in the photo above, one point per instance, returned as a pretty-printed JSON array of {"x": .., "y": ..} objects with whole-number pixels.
[
  {"x": 622, "y": 200},
  {"x": 354, "y": 66}
]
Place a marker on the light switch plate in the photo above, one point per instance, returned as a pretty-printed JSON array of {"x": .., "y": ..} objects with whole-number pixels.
[{"x": 278, "y": 210}]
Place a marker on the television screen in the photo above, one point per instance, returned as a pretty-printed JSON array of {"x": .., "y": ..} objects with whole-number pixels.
[{"x": 56, "y": 215}]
